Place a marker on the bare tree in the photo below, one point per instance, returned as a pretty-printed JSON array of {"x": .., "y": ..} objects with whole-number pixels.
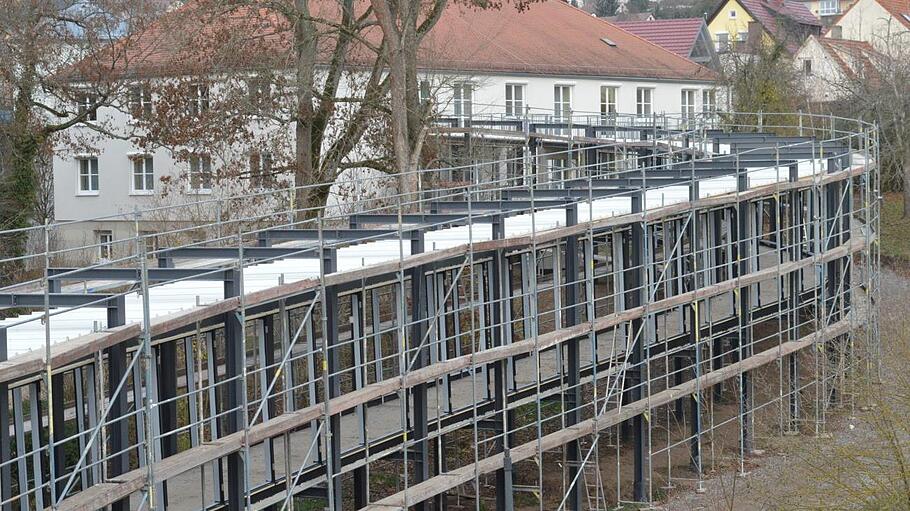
[
  {"x": 47, "y": 93},
  {"x": 877, "y": 89}
]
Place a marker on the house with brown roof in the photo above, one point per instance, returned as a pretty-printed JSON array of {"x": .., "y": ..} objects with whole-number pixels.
[
  {"x": 831, "y": 67},
  {"x": 686, "y": 37},
  {"x": 885, "y": 24},
  {"x": 736, "y": 25},
  {"x": 549, "y": 59}
]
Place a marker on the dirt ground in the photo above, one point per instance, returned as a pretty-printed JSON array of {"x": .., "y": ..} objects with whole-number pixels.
[{"x": 846, "y": 467}]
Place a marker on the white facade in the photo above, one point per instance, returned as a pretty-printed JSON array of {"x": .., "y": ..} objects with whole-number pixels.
[
  {"x": 868, "y": 21},
  {"x": 117, "y": 194},
  {"x": 822, "y": 77}
]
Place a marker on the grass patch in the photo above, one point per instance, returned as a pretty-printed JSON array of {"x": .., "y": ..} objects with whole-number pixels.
[{"x": 895, "y": 235}]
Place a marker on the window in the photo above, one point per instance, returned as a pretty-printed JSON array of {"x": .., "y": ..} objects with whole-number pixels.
[
  {"x": 140, "y": 101},
  {"x": 86, "y": 105},
  {"x": 424, "y": 96},
  {"x": 200, "y": 178},
  {"x": 708, "y": 101},
  {"x": 732, "y": 14},
  {"x": 150, "y": 240},
  {"x": 261, "y": 169},
  {"x": 515, "y": 99},
  {"x": 741, "y": 37},
  {"x": 643, "y": 101},
  {"x": 562, "y": 101},
  {"x": 463, "y": 99},
  {"x": 105, "y": 242},
  {"x": 607, "y": 100},
  {"x": 723, "y": 41},
  {"x": 687, "y": 104},
  {"x": 807, "y": 67},
  {"x": 828, "y": 7},
  {"x": 199, "y": 98},
  {"x": 143, "y": 175},
  {"x": 88, "y": 175},
  {"x": 260, "y": 92}
]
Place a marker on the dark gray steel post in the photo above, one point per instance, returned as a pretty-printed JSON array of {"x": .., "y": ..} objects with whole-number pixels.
[
  {"x": 497, "y": 296},
  {"x": 421, "y": 356},
  {"x": 634, "y": 282},
  {"x": 743, "y": 244},
  {"x": 268, "y": 343},
  {"x": 795, "y": 248},
  {"x": 333, "y": 366},
  {"x": 233, "y": 362},
  {"x": 118, "y": 430},
  {"x": 167, "y": 391},
  {"x": 694, "y": 334},
  {"x": 573, "y": 359}
]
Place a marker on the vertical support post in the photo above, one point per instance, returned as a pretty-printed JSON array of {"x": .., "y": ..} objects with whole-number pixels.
[
  {"x": 332, "y": 365},
  {"x": 59, "y": 425},
  {"x": 743, "y": 243},
  {"x": 793, "y": 282},
  {"x": 118, "y": 430},
  {"x": 497, "y": 301},
  {"x": 167, "y": 406},
  {"x": 634, "y": 281},
  {"x": 421, "y": 356},
  {"x": 573, "y": 359},
  {"x": 233, "y": 362},
  {"x": 267, "y": 347}
]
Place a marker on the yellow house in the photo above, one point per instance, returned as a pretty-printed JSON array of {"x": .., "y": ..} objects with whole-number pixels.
[{"x": 787, "y": 22}]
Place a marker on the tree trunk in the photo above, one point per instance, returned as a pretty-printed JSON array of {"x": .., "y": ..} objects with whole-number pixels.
[{"x": 307, "y": 160}]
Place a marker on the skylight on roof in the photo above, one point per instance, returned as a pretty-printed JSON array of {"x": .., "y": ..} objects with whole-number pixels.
[{"x": 608, "y": 41}]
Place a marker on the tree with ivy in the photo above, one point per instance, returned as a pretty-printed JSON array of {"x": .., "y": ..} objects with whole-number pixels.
[{"x": 56, "y": 69}]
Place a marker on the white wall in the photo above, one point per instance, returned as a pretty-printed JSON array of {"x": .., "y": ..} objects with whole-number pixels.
[
  {"x": 115, "y": 171},
  {"x": 823, "y": 84},
  {"x": 869, "y": 21}
]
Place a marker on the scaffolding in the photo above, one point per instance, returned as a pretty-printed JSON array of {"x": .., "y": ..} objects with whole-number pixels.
[{"x": 573, "y": 340}]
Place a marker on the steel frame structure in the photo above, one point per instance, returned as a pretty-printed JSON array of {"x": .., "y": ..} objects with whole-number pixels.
[{"x": 516, "y": 332}]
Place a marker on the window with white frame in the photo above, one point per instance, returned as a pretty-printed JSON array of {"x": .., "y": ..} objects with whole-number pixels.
[
  {"x": 199, "y": 98},
  {"x": 200, "y": 178},
  {"x": 709, "y": 101},
  {"x": 607, "y": 100},
  {"x": 515, "y": 99},
  {"x": 732, "y": 14},
  {"x": 88, "y": 175},
  {"x": 104, "y": 240},
  {"x": 643, "y": 101},
  {"x": 807, "y": 67},
  {"x": 140, "y": 100},
  {"x": 150, "y": 240},
  {"x": 463, "y": 99},
  {"x": 143, "y": 174},
  {"x": 828, "y": 7},
  {"x": 562, "y": 101},
  {"x": 687, "y": 103},
  {"x": 86, "y": 105},
  {"x": 723, "y": 41},
  {"x": 259, "y": 90},
  {"x": 424, "y": 91},
  {"x": 261, "y": 169}
]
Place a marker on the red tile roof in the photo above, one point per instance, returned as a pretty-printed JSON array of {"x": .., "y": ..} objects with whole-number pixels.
[
  {"x": 860, "y": 54},
  {"x": 549, "y": 37},
  {"x": 676, "y": 35},
  {"x": 900, "y": 9}
]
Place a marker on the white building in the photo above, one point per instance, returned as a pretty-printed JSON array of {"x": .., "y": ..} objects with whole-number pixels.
[
  {"x": 830, "y": 67},
  {"x": 550, "y": 58},
  {"x": 882, "y": 23}
]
